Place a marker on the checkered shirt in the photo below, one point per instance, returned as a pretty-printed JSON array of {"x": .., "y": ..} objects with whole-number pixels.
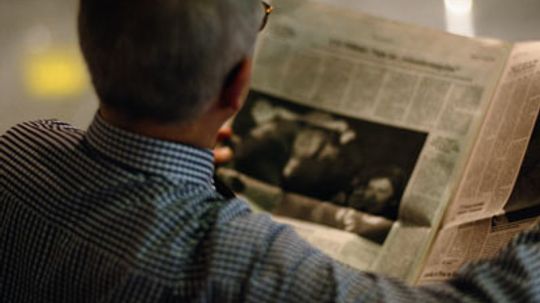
[{"x": 111, "y": 216}]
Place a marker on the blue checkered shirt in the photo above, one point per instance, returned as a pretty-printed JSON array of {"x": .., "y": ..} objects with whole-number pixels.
[{"x": 111, "y": 216}]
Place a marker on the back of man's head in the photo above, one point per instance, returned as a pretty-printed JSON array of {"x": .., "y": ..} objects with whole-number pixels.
[{"x": 165, "y": 60}]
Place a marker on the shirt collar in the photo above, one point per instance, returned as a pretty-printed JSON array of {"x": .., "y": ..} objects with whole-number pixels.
[{"x": 151, "y": 155}]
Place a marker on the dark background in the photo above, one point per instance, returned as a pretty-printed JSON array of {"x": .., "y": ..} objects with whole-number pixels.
[{"x": 376, "y": 145}]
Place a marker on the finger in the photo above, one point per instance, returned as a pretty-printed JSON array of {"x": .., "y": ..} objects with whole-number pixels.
[
  {"x": 222, "y": 155},
  {"x": 224, "y": 133}
]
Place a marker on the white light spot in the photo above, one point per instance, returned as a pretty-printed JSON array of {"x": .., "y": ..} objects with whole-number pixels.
[
  {"x": 459, "y": 7},
  {"x": 459, "y": 17}
]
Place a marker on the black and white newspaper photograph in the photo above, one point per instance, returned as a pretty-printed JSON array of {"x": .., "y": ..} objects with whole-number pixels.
[{"x": 336, "y": 171}]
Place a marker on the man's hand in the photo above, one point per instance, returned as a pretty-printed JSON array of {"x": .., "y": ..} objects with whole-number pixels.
[{"x": 222, "y": 153}]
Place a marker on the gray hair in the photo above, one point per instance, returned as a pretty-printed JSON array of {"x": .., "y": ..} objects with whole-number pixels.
[{"x": 165, "y": 60}]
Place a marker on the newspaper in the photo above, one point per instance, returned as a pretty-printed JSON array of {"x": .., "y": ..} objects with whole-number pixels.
[
  {"x": 499, "y": 195},
  {"x": 344, "y": 246},
  {"x": 365, "y": 126}
]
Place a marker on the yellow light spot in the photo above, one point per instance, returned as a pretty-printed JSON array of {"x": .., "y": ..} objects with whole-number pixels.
[{"x": 55, "y": 74}]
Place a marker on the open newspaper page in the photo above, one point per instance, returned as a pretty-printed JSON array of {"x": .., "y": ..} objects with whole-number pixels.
[
  {"x": 362, "y": 125},
  {"x": 499, "y": 195}
]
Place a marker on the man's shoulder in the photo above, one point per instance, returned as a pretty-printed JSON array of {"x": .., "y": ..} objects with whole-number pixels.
[
  {"x": 30, "y": 148},
  {"x": 44, "y": 124},
  {"x": 37, "y": 127},
  {"x": 47, "y": 132}
]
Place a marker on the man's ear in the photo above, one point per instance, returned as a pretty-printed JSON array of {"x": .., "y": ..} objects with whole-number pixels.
[{"x": 236, "y": 85}]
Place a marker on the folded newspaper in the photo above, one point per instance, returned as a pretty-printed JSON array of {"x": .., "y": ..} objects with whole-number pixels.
[{"x": 394, "y": 148}]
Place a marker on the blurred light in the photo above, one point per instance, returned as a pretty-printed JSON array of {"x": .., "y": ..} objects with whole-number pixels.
[
  {"x": 460, "y": 7},
  {"x": 55, "y": 73},
  {"x": 459, "y": 17}
]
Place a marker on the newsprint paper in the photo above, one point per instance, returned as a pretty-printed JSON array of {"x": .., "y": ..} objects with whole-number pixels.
[
  {"x": 362, "y": 132},
  {"x": 499, "y": 195}
]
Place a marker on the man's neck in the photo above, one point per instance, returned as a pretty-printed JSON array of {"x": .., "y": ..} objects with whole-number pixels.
[{"x": 196, "y": 133}]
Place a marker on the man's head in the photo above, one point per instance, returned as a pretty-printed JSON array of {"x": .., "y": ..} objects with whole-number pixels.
[
  {"x": 166, "y": 60},
  {"x": 381, "y": 192},
  {"x": 377, "y": 193}
]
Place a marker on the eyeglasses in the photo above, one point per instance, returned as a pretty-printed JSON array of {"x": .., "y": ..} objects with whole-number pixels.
[{"x": 267, "y": 11}]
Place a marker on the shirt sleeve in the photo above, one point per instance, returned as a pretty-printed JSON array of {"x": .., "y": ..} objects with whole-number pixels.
[{"x": 281, "y": 267}]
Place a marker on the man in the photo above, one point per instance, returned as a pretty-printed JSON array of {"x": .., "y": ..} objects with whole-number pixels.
[
  {"x": 378, "y": 194},
  {"x": 264, "y": 150},
  {"x": 128, "y": 212},
  {"x": 324, "y": 157}
]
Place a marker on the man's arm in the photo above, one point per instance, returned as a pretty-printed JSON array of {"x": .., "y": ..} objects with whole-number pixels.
[{"x": 281, "y": 267}]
